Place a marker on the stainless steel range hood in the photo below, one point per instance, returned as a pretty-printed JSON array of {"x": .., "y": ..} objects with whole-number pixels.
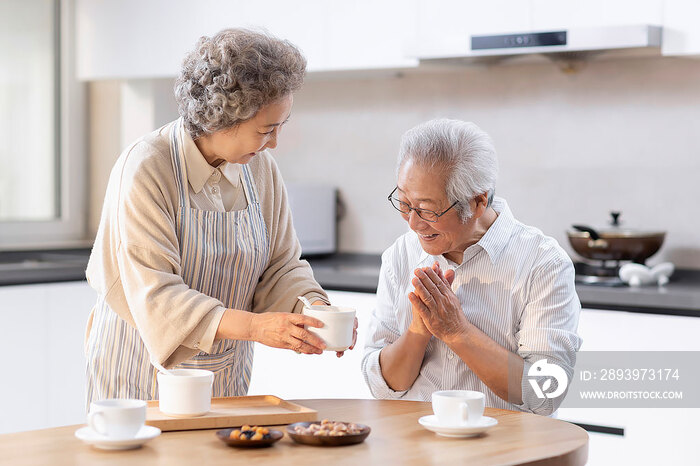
[{"x": 631, "y": 40}]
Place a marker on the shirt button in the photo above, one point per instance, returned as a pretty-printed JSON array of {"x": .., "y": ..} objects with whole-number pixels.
[
  {"x": 450, "y": 355},
  {"x": 214, "y": 189},
  {"x": 196, "y": 345}
]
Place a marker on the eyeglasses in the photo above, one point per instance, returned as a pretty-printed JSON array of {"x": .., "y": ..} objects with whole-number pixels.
[{"x": 425, "y": 214}]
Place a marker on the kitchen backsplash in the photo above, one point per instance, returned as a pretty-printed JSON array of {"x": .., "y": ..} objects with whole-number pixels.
[{"x": 615, "y": 135}]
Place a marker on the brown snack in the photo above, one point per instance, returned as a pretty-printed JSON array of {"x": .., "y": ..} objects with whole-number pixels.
[
  {"x": 329, "y": 428},
  {"x": 250, "y": 433}
]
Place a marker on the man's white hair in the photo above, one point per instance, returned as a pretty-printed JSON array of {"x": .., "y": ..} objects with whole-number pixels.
[{"x": 460, "y": 148}]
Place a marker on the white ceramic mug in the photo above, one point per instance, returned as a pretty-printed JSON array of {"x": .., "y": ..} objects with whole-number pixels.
[
  {"x": 186, "y": 393},
  {"x": 117, "y": 418},
  {"x": 458, "y": 407},
  {"x": 338, "y": 323}
]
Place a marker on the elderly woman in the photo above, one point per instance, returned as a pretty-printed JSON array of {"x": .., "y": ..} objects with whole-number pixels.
[
  {"x": 196, "y": 230},
  {"x": 470, "y": 298}
]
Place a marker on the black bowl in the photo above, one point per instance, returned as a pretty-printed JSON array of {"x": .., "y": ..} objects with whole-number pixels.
[
  {"x": 327, "y": 440},
  {"x": 224, "y": 436}
]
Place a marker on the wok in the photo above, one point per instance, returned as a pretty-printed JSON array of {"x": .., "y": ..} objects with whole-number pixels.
[{"x": 615, "y": 243}]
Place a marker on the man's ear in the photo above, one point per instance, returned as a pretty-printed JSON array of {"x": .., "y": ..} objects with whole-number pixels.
[{"x": 482, "y": 202}]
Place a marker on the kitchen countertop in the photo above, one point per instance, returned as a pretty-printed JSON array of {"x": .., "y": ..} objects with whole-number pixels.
[
  {"x": 681, "y": 296},
  {"x": 360, "y": 272},
  {"x": 23, "y": 267}
]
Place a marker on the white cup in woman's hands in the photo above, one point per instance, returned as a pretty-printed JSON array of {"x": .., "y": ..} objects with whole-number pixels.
[{"x": 338, "y": 325}]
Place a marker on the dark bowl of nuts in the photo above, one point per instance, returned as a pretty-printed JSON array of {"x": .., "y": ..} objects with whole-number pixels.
[
  {"x": 249, "y": 437},
  {"x": 328, "y": 433}
]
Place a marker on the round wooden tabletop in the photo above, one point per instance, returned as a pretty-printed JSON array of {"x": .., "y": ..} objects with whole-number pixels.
[{"x": 396, "y": 438}]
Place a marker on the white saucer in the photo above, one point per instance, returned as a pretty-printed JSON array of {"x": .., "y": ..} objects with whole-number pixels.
[
  {"x": 89, "y": 436},
  {"x": 468, "y": 430}
]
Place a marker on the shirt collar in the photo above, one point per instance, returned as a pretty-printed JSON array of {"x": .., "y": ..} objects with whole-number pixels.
[
  {"x": 493, "y": 241},
  {"x": 232, "y": 172},
  {"x": 496, "y": 237},
  {"x": 199, "y": 170}
]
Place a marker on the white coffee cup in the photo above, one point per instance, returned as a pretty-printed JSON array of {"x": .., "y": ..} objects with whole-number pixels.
[
  {"x": 186, "y": 393},
  {"x": 458, "y": 407},
  {"x": 117, "y": 418},
  {"x": 338, "y": 323}
]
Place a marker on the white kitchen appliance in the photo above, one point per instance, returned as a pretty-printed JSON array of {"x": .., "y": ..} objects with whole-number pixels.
[
  {"x": 315, "y": 216},
  {"x": 634, "y": 39}
]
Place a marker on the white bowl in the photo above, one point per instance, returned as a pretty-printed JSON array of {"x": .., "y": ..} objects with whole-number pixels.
[
  {"x": 187, "y": 393},
  {"x": 338, "y": 325}
]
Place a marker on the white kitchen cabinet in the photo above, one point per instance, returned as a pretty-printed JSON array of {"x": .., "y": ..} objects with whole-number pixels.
[
  {"x": 453, "y": 20},
  {"x": 681, "y": 34},
  {"x": 653, "y": 436},
  {"x": 302, "y": 23},
  {"x": 552, "y": 14},
  {"x": 370, "y": 34},
  {"x": 604, "y": 330},
  {"x": 132, "y": 39},
  {"x": 668, "y": 430},
  {"x": 444, "y": 27},
  {"x": 336, "y": 36},
  {"x": 41, "y": 336},
  {"x": 289, "y": 375},
  {"x": 23, "y": 333}
]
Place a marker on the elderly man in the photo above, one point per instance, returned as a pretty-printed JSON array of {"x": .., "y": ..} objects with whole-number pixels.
[{"x": 470, "y": 298}]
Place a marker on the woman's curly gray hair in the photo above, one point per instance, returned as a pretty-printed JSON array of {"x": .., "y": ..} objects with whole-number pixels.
[{"x": 227, "y": 78}]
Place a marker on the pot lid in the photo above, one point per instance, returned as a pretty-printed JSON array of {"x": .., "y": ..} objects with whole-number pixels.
[{"x": 613, "y": 230}]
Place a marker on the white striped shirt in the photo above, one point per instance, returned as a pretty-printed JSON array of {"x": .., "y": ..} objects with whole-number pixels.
[{"x": 515, "y": 284}]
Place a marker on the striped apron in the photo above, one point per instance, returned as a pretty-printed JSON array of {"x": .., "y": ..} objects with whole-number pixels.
[{"x": 223, "y": 255}]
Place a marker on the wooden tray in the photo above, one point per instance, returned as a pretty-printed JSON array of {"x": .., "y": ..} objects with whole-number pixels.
[{"x": 234, "y": 411}]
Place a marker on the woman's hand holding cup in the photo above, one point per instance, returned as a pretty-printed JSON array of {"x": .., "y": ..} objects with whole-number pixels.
[
  {"x": 286, "y": 331},
  {"x": 354, "y": 339}
]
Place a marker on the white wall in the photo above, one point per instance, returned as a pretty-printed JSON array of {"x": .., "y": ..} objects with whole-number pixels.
[{"x": 616, "y": 134}]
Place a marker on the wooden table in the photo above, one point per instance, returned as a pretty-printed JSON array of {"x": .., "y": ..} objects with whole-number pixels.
[{"x": 396, "y": 438}]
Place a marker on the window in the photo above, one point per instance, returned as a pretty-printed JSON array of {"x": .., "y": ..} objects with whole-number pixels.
[{"x": 41, "y": 153}]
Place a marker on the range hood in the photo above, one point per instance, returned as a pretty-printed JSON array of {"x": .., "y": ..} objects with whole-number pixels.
[{"x": 574, "y": 43}]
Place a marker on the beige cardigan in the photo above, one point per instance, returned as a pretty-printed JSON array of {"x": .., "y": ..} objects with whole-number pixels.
[{"x": 135, "y": 261}]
